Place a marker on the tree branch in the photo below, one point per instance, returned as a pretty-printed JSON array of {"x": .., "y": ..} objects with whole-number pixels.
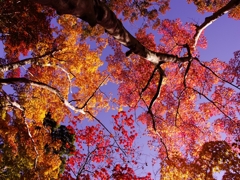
[
  {"x": 149, "y": 80},
  {"x": 106, "y": 130},
  {"x": 44, "y": 86},
  {"x": 212, "y": 103},
  {"x": 157, "y": 94},
  {"x": 18, "y": 64},
  {"x": 85, "y": 104},
  {"x": 178, "y": 106},
  {"x": 210, "y": 19},
  {"x": 215, "y": 74},
  {"x": 65, "y": 71},
  {"x": 18, "y": 106},
  {"x": 165, "y": 146},
  {"x": 96, "y": 12}
]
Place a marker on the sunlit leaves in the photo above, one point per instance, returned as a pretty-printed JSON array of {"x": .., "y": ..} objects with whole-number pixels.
[
  {"x": 102, "y": 154},
  {"x": 175, "y": 34},
  {"x": 29, "y": 150},
  {"x": 198, "y": 101},
  {"x": 215, "y": 156},
  {"x": 18, "y": 26}
]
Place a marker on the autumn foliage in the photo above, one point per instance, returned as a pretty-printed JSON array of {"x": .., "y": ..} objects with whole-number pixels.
[{"x": 58, "y": 75}]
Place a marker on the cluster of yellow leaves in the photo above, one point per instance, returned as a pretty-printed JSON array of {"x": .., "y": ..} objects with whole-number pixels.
[
  {"x": 22, "y": 155},
  {"x": 72, "y": 70},
  {"x": 215, "y": 156}
]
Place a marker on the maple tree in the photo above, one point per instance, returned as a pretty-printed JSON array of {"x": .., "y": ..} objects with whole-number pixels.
[
  {"x": 41, "y": 156},
  {"x": 54, "y": 77}
]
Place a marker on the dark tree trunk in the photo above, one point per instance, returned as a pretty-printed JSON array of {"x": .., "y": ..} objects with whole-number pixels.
[
  {"x": 96, "y": 12},
  {"x": 84, "y": 9}
]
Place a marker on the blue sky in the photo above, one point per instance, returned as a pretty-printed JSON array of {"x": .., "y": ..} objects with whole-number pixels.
[{"x": 222, "y": 36}]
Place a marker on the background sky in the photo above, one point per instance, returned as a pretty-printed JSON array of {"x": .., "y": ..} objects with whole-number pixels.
[{"x": 223, "y": 39}]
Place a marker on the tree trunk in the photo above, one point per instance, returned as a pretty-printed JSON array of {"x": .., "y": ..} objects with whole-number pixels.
[{"x": 96, "y": 12}]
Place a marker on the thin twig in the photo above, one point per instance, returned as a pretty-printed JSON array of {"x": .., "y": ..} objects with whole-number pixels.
[
  {"x": 212, "y": 102},
  {"x": 165, "y": 146},
  {"x": 185, "y": 74},
  {"x": 178, "y": 106},
  {"x": 106, "y": 130},
  {"x": 85, "y": 104},
  {"x": 216, "y": 74}
]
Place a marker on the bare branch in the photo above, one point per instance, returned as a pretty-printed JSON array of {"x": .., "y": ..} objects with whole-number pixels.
[
  {"x": 215, "y": 74},
  {"x": 210, "y": 19},
  {"x": 157, "y": 94},
  {"x": 44, "y": 86},
  {"x": 214, "y": 103},
  {"x": 106, "y": 130},
  {"x": 18, "y": 106},
  {"x": 15, "y": 65},
  {"x": 85, "y": 104}
]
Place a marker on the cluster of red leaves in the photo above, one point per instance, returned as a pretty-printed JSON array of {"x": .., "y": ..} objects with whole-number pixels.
[
  {"x": 214, "y": 5},
  {"x": 103, "y": 155},
  {"x": 126, "y": 173},
  {"x": 175, "y": 34},
  {"x": 18, "y": 29},
  {"x": 18, "y": 23},
  {"x": 125, "y": 126}
]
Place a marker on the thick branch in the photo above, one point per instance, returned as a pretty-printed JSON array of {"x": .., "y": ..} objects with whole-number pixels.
[
  {"x": 44, "y": 86},
  {"x": 18, "y": 64},
  {"x": 114, "y": 27},
  {"x": 157, "y": 94},
  {"x": 210, "y": 19},
  {"x": 96, "y": 12}
]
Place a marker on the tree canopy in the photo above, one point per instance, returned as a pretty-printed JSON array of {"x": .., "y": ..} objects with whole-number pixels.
[{"x": 52, "y": 92}]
